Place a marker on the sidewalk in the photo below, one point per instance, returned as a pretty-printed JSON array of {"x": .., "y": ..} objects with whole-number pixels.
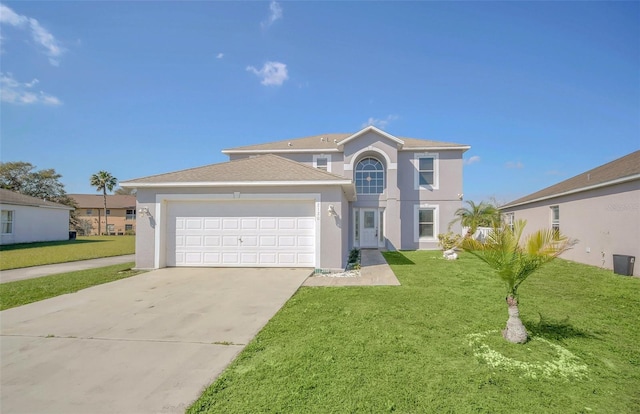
[
  {"x": 37, "y": 271},
  {"x": 374, "y": 272}
]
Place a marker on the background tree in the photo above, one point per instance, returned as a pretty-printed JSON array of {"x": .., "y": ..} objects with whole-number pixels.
[
  {"x": 125, "y": 191},
  {"x": 103, "y": 181},
  {"x": 22, "y": 177},
  {"x": 514, "y": 262},
  {"x": 476, "y": 215}
]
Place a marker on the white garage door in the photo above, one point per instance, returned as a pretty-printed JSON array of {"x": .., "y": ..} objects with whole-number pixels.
[{"x": 241, "y": 233}]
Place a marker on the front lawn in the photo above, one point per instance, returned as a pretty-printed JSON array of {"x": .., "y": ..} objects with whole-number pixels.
[
  {"x": 21, "y": 292},
  {"x": 14, "y": 256},
  {"x": 433, "y": 345}
]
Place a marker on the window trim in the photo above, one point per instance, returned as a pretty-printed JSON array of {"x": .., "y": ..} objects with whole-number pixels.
[
  {"x": 416, "y": 222},
  {"x": 384, "y": 175},
  {"x": 317, "y": 156},
  {"x": 436, "y": 171},
  {"x": 10, "y": 220}
]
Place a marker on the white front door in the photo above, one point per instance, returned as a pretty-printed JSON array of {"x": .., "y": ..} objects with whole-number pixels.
[{"x": 368, "y": 228}]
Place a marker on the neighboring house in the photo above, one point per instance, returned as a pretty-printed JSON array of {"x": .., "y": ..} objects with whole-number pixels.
[
  {"x": 27, "y": 219},
  {"x": 301, "y": 202},
  {"x": 121, "y": 213},
  {"x": 600, "y": 208}
]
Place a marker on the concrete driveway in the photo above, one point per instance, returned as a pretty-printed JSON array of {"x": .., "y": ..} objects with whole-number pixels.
[{"x": 146, "y": 344}]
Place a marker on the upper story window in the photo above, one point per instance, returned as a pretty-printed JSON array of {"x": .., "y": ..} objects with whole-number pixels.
[
  {"x": 108, "y": 212},
  {"x": 322, "y": 162},
  {"x": 369, "y": 176},
  {"x": 426, "y": 171},
  {"x": 7, "y": 221},
  {"x": 131, "y": 215},
  {"x": 89, "y": 212}
]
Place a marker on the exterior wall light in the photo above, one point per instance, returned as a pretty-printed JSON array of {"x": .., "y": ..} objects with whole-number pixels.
[{"x": 332, "y": 211}]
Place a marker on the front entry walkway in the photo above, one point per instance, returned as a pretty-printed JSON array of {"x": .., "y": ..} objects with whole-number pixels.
[{"x": 374, "y": 271}]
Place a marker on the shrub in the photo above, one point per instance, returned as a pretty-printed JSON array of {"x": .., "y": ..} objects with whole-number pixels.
[{"x": 449, "y": 240}]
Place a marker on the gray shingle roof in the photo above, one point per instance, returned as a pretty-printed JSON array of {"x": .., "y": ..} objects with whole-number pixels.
[
  {"x": 97, "y": 201},
  {"x": 328, "y": 142},
  {"x": 262, "y": 168},
  {"x": 625, "y": 167},
  {"x": 10, "y": 197}
]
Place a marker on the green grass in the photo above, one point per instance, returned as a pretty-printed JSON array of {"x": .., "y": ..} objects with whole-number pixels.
[
  {"x": 14, "y": 256},
  {"x": 433, "y": 345},
  {"x": 21, "y": 292}
]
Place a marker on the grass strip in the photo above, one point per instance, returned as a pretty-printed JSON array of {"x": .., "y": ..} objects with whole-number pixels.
[
  {"x": 433, "y": 345},
  {"x": 22, "y": 292},
  {"x": 15, "y": 256}
]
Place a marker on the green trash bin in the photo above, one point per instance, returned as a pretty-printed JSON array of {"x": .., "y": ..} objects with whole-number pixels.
[{"x": 623, "y": 265}]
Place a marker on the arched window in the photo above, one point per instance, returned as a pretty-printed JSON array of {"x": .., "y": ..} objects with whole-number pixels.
[{"x": 369, "y": 176}]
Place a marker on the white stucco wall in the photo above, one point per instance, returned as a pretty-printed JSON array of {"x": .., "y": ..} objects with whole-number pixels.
[
  {"x": 605, "y": 221},
  {"x": 34, "y": 224}
]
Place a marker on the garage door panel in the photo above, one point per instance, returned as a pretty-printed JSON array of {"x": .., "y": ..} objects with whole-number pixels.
[
  {"x": 230, "y": 223},
  {"x": 230, "y": 258},
  {"x": 249, "y": 241},
  {"x": 305, "y": 241},
  {"x": 241, "y": 234},
  {"x": 268, "y": 241},
  {"x": 230, "y": 241},
  {"x": 212, "y": 223},
  {"x": 193, "y": 241},
  {"x": 249, "y": 224},
  {"x": 286, "y": 223},
  {"x": 193, "y": 224},
  {"x": 212, "y": 241},
  {"x": 268, "y": 224}
]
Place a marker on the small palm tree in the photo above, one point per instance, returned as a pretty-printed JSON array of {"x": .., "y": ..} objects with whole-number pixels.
[
  {"x": 476, "y": 215},
  {"x": 103, "y": 181},
  {"x": 514, "y": 262}
]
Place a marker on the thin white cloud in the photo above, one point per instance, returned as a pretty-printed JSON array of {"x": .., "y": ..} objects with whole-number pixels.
[
  {"x": 472, "y": 160},
  {"x": 219, "y": 55},
  {"x": 380, "y": 123},
  {"x": 516, "y": 164},
  {"x": 39, "y": 34},
  {"x": 275, "y": 13},
  {"x": 272, "y": 73},
  {"x": 14, "y": 92}
]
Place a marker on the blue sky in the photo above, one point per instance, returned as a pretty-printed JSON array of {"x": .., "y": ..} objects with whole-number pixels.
[{"x": 541, "y": 91}]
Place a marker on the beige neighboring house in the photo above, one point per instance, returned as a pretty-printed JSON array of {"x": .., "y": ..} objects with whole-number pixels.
[
  {"x": 300, "y": 202},
  {"x": 121, "y": 213},
  {"x": 26, "y": 219},
  {"x": 600, "y": 208}
]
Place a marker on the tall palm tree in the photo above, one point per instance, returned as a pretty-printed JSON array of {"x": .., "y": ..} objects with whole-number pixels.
[
  {"x": 476, "y": 215},
  {"x": 104, "y": 181},
  {"x": 514, "y": 261}
]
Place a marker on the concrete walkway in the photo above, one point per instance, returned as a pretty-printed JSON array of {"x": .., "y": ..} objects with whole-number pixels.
[
  {"x": 146, "y": 344},
  {"x": 38, "y": 271},
  {"x": 374, "y": 271}
]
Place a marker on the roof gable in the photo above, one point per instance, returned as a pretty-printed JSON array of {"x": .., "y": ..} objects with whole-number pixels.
[
  {"x": 623, "y": 169},
  {"x": 11, "y": 197},
  {"x": 258, "y": 170},
  {"x": 375, "y": 130}
]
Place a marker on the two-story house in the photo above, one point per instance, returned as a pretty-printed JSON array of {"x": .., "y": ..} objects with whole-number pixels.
[
  {"x": 301, "y": 202},
  {"x": 119, "y": 219}
]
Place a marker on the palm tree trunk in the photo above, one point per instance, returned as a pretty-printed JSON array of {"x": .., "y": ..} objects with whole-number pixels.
[
  {"x": 515, "y": 332},
  {"x": 106, "y": 223}
]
